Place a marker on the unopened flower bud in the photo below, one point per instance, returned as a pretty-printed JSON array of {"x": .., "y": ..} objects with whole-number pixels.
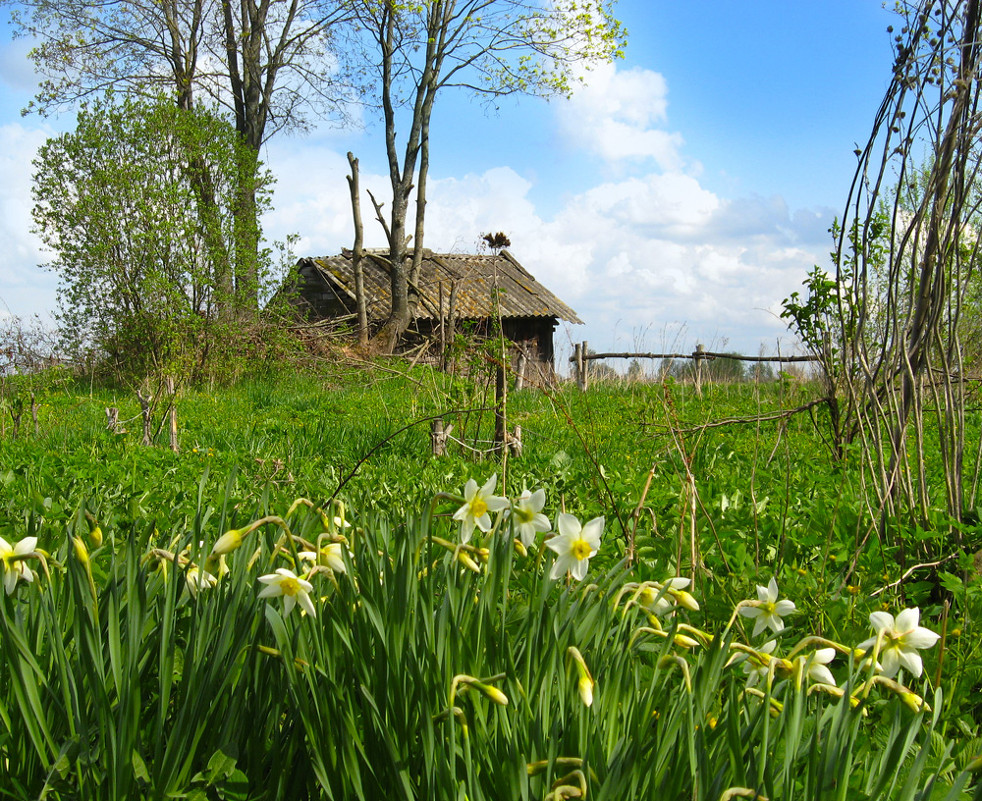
[{"x": 228, "y": 542}]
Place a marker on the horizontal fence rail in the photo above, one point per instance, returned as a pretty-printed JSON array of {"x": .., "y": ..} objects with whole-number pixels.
[{"x": 582, "y": 357}]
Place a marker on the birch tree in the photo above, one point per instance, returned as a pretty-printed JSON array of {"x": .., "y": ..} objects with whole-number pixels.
[{"x": 487, "y": 47}]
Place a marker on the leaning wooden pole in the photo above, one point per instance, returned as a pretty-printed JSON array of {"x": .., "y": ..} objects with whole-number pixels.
[{"x": 357, "y": 250}]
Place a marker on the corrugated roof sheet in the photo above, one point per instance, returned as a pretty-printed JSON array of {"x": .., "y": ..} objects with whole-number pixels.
[{"x": 477, "y": 275}]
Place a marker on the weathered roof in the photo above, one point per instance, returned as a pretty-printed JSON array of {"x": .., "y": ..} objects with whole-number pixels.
[{"x": 476, "y": 277}]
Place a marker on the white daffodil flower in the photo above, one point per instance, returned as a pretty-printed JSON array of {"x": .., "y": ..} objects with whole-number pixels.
[
  {"x": 294, "y": 590},
  {"x": 901, "y": 640},
  {"x": 198, "y": 579},
  {"x": 329, "y": 556},
  {"x": 758, "y": 670},
  {"x": 14, "y": 568},
  {"x": 575, "y": 545},
  {"x": 527, "y": 517},
  {"x": 478, "y": 504},
  {"x": 815, "y": 666},
  {"x": 769, "y": 611},
  {"x": 661, "y": 598}
]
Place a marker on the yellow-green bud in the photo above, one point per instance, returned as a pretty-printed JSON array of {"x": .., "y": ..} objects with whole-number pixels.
[{"x": 228, "y": 542}]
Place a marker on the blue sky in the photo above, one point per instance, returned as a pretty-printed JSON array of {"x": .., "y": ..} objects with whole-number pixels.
[{"x": 677, "y": 198}]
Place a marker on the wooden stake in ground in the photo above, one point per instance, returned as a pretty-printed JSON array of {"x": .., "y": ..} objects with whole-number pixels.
[
  {"x": 173, "y": 415},
  {"x": 146, "y": 411}
]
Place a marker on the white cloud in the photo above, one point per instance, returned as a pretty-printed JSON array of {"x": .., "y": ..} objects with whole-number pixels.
[
  {"x": 614, "y": 114},
  {"x": 24, "y": 288}
]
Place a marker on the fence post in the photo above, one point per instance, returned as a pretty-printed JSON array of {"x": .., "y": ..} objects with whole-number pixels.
[
  {"x": 146, "y": 411},
  {"x": 173, "y": 415},
  {"x": 438, "y": 436},
  {"x": 515, "y": 445},
  {"x": 698, "y": 357},
  {"x": 523, "y": 360},
  {"x": 585, "y": 369}
]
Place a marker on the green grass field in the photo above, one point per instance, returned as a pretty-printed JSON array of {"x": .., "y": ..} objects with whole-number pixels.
[{"x": 145, "y": 658}]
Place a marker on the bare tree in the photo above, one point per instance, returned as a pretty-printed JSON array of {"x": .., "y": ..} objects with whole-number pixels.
[
  {"x": 489, "y": 47},
  {"x": 900, "y": 331}
]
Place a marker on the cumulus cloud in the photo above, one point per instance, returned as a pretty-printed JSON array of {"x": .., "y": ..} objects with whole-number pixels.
[
  {"x": 614, "y": 114},
  {"x": 24, "y": 288}
]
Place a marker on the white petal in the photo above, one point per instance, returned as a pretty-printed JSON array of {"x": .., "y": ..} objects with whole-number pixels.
[
  {"x": 567, "y": 525},
  {"x": 751, "y": 611},
  {"x": 823, "y": 655},
  {"x": 890, "y": 659},
  {"x": 920, "y": 638},
  {"x": 908, "y": 620},
  {"x": 561, "y": 566},
  {"x": 762, "y": 594},
  {"x": 270, "y": 591},
  {"x": 26, "y": 545},
  {"x": 537, "y": 500},
  {"x": 496, "y": 503},
  {"x": 579, "y": 568},
  {"x": 9, "y": 581},
  {"x": 784, "y": 607},
  {"x": 288, "y": 603},
  {"x": 760, "y": 625},
  {"x": 5, "y": 547},
  {"x": 678, "y": 583},
  {"x": 881, "y": 621},
  {"x": 561, "y": 543},
  {"x": 592, "y": 531},
  {"x": 308, "y": 605},
  {"x": 489, "y": 485},
  {"x": 772, "y": 589},
  {"x": 821, "y": 674},
  {"x": 911, "y": 662},
  {"x": 470, "y": 490}
]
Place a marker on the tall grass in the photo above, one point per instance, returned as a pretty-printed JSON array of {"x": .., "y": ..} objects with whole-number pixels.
[{"x": 430, "y": 670}]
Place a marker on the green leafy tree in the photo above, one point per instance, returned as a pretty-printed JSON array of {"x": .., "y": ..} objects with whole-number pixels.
[
  {"x": 116, "y": 202},
  {"x": 271, "y": 63}
]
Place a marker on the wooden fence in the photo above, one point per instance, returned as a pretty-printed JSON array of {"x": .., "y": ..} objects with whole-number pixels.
[{"x": 582, "y": 357}]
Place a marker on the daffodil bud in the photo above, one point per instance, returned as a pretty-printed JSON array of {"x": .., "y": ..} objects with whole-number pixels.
[
  {"x": 465, "y": 559},
  {"x": 96, "y": 536},
  {"x": 585, "y": 685},
  {"x": 685, "y": 599},
  {"x": 228, "y": 542},
  {"x": 585, "y": 689},
  {"x": 81, "y": 552},
  {"x": 492, "y": 693}
]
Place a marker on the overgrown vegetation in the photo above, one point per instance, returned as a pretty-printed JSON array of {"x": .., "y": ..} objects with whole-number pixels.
[{"x": 135, "y": 666}]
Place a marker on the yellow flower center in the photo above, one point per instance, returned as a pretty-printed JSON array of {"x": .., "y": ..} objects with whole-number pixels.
[
  {"x": 478, "y": 507},
  {"x": 580, "y": 549},
  {"x": 524, "y": 515},
  {"x": 290, "y": 586},
  {"x": 768, "y": 607}
]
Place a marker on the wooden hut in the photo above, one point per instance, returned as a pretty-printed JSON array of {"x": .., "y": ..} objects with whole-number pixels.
[{"x": 456, "y": 293}]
